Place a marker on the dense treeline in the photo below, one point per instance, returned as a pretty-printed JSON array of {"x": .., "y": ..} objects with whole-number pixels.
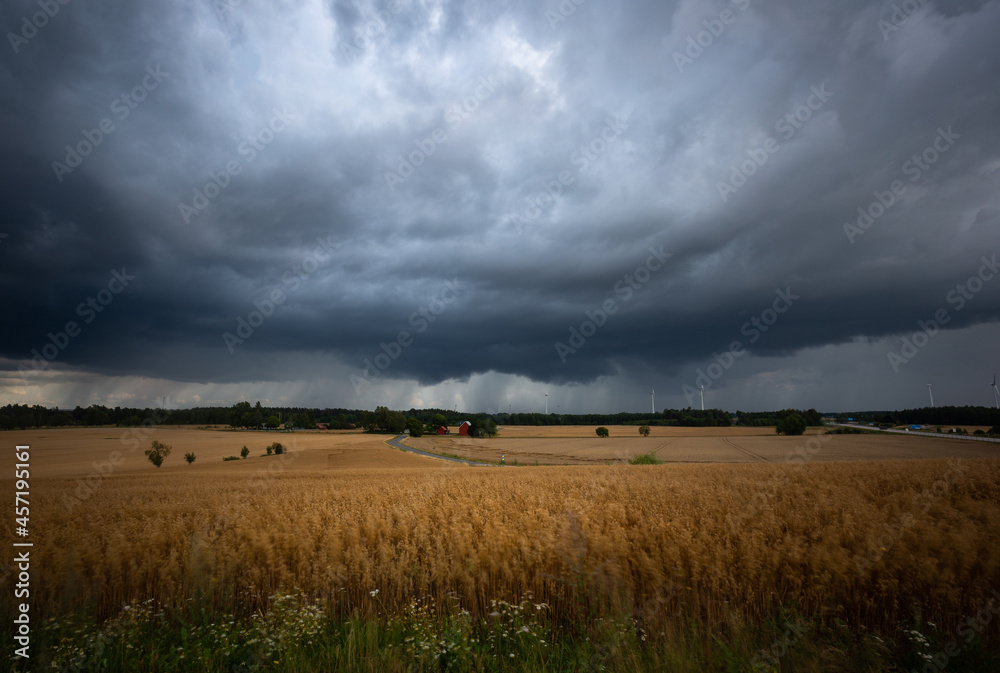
[
  {"x": 928, "y": 416},
  {"x": 760, "y": 419},
  {"x": 681, "y": 417},
  {"x": 20, "y": 416},
  {"x": 246, "y": 415}
]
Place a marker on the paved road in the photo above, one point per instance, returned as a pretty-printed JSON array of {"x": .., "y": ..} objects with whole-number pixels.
[
  {"x": 397, "y": 443},
  {"x": 945, "y": 435}
]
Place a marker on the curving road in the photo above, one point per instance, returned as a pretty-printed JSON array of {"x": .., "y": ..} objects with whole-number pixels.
[{"x": 397, "y": 443}]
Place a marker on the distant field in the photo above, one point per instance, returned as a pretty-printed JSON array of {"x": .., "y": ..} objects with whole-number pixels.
[
  {"x": 72, "y": 452},
  {"x": 692, "y": 447},
  {"x": 626, "y": 431}
]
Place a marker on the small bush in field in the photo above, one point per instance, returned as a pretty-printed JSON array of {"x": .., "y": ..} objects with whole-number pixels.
[{"x": 157, "y": 452}]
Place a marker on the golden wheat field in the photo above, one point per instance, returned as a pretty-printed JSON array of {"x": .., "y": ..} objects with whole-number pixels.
[
  {"x": 861, "y": 541},
  {"x": 342, "y": 515},
  {"x": 72, "y": 452}
]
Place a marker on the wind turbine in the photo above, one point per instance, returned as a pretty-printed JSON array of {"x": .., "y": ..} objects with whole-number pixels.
[
  {"x": 546, "y": 404},
  {"x": 996, "y": 393},
  {"x": 652, "y": 399},
  {"x": 930, "y": 390},
  {"x": 703, "y": 398}
]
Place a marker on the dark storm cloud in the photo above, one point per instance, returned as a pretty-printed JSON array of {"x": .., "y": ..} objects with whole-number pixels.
[{"x": 356, "y": 156}]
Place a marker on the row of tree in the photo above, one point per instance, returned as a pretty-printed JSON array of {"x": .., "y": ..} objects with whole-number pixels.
[
  {"x": 257, "y": 416},
  {"x": 766, "y": 419},
  {"x": 387, "y": 420},
  {"x": 987, "y": 416},
  {"x": 241, "y": 415}
]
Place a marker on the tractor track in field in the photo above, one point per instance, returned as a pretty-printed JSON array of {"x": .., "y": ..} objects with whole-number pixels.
[
  {"x": 748, "y": 452},
  {"x": 662, "y": 446}
]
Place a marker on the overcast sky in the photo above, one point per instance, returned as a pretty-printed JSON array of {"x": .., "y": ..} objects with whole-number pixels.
[{"x": 472, "y": 204}]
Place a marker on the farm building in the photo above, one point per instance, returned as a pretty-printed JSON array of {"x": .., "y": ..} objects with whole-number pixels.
[
  {"x": 443, "y": 431},
  {"x": 463, "y": 429}
]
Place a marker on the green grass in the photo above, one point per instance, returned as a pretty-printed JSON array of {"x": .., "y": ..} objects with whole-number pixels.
[
  {"x": 300, "y": 636},
  {"x": 645, "y": 459}
]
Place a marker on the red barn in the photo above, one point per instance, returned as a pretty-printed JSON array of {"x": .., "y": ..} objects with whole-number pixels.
[
  {"x": 463, "y": 429},
  {"x": 442, "y": 430}
]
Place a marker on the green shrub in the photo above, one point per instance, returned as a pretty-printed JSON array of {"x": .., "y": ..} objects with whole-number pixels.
[
  {"x": 244, "y": 452},
  {"x": 157, "y": 452},
  {"x": 415, "y": 427},
  {"x": 645, "y": 459},
  {"x": 231, "y": 458},
  {"x": 189, "y": 457},
  {"x": 792, "y": 424},
  {"x": 276, "y": 447},
  {"x": 603, "y": 432}
]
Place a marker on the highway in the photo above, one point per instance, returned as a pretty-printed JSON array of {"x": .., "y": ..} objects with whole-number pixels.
[{"x": 944, "y": 435}]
